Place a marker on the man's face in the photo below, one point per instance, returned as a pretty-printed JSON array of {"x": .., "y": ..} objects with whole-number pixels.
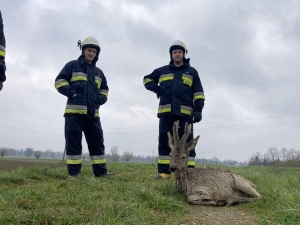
[
  {"x": 177, "y": 55},
  {"x": 90, "y": 54}
]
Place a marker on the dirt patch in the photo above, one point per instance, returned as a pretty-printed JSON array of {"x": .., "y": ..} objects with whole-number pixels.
[
  {"x": 207, "y": 215},
  {"x": 8, "y": 165}
]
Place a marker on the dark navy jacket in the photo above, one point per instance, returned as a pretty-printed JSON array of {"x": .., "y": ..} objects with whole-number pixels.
[
  {"x": 88, "y": 82},
  {"x": 179, "y": 89},
  {"x": 2, "y": 51}
]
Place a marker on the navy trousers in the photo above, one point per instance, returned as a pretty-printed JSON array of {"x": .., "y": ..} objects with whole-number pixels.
[{"x": 75, "y": 125}]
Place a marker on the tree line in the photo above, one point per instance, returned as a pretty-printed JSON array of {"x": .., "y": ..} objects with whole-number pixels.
[
  {"x": 275, "y": 157},
  {"x": 114, "y": 155}
]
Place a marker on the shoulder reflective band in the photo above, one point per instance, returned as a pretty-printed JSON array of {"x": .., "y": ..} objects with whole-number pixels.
[
  {"x": 73, "y": 159},
  {"x": 165, "y": 77},
  {"x": 162, "y": 159},
  {"x": 77, "y": 109},
  {"x": 199, "y": 95},
  {"x": 98, "y": 159},
  {"x": 98, "y": 81},
  {"x": 187, "y": 79},
  {"x": 164, "y": 108},
  {"x": 2, "y": 51},
  {"x": 186, "y": 110},
  {"x": 78, "y": 76},
  {"x": 60, "y": 83},
  {"x": 103, "y": 92},
  {"x": 147, "y": 80}
]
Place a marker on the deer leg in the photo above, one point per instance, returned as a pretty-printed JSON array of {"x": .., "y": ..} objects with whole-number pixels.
[
  {"x": 248, "y": 189},
  {"x": 206, "y": 203},
  {"x": 236, "y": 200}
]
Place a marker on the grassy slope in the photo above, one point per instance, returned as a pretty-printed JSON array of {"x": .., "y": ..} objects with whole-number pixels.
[{"x": 41, "y": 195}]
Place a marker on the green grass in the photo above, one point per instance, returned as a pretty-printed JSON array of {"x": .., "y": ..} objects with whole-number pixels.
[
  {"x": 280, "y": 188},
  {"x": 41, "y": 195}
]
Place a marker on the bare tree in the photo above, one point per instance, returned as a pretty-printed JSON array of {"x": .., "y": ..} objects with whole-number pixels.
[
  {"x": 3, "y": 151},
  {"x": 114, "y": 153},
  {"x": 283, "y": 154},
  {"x": 127, "y": 156},
  {"x": 274, "y": 155},
  {"x": 37, "y": 154}
]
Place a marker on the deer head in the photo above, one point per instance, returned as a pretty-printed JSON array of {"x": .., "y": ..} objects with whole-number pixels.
[{"x": 179, "y": 154}]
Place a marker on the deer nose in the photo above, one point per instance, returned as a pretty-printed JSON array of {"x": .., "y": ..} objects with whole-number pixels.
[{"x": 173, "y": 169}]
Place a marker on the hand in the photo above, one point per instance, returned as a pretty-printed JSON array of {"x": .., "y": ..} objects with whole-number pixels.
[
  {"x": 74, "y": 95},
  {"x": 197, "y": 116}
]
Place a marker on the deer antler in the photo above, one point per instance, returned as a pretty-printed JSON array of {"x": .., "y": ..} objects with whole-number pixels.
[
  {"x": 170, "y": 140},
  {"x": 187, "y": 132},
  {"x": 175, "y": 133}
]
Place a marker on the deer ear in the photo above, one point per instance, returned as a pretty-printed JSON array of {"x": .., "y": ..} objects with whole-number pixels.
[
  {"x": 171, "y": 141},
  {"x": 192, "y": 144}
]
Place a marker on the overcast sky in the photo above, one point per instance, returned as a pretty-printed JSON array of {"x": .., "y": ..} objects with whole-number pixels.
[{"x": 247, "y": 54}]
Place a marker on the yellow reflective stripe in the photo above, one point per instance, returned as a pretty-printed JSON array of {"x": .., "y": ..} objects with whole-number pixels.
[
  {"x": 74, "y": 161},
  {"x": 78, "y": 78},
  {"x": 187, "y": 81},
  {"x": 147, "y": 80},
  {"x": 97, "y": 115},
  {"x": 163, "y": 161},
  {"x": 184, "y": 111},
  {"x": 2, "y": 53},
  {"x": 191, "y": 163},
  {"x": 164, "y": 110},
  {"x": 165, "y": 78},
  {"x": 98, "y": 82},
  {"x": 61, "y": 84},
  {"x": 77, "y": 111},
  {"x": 103, "y": 93},
  {"x": 98, "y": 161},
  {"x": 199, "y": 97}
]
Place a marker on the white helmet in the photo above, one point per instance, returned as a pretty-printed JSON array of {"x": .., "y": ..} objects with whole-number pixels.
[
  {"x": 89, "y": 42},
  {"x": 178, "y": 45}
]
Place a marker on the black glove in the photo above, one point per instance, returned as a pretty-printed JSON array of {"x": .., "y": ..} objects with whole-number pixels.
[
  {"x": 101, "y": 99},
  {"x": 197, "y": 116},
  {"x": 2, "y": 70}
]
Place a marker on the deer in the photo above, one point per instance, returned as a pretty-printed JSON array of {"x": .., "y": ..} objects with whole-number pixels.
[{"x": 206, "y": 186}]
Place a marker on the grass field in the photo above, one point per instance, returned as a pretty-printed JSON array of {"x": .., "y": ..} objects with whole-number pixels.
[{"x": 42, "y": 195}]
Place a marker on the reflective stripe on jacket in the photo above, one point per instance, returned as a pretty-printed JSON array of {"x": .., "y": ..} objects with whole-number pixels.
[
  {"x": 179, "y": 89},
  {"x": 88, "y": 82}
]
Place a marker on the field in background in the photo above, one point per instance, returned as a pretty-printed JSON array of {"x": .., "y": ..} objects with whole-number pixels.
[{"x": 42, "y": 195}]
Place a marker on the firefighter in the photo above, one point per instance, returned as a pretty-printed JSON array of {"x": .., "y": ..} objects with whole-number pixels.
[
  {"x": 86, "y": 88},
  {"x": 181, "y": 95},
  {"x": 2, "y": 54}
]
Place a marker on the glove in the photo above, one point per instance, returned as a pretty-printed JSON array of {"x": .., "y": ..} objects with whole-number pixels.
[
  {"x": 101, "y": 99},
  {"x": 2, "y": 70},
  {"x": 197, "y": 116}
]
